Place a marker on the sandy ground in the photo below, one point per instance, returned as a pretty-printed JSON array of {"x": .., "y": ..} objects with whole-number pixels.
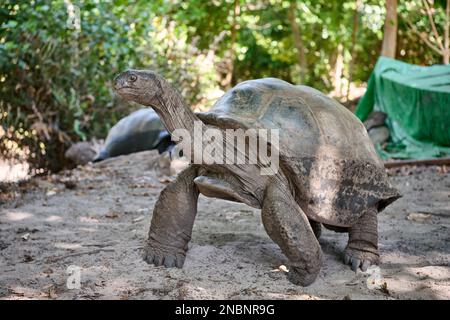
[{"x": 95, "y": 218}]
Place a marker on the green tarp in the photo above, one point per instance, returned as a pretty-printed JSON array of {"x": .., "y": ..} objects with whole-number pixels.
[{"x": 417, "y": 103}]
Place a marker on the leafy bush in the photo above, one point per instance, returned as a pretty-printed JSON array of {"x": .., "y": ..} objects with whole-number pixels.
[
  {"x": 56, "y": 70},
  {"x": 57, "y": 63}
]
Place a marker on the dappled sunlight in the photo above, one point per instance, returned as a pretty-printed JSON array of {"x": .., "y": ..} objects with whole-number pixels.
[
  {"x": 53, "y": 218},
  {"x": 416, "y": 283},
  {"x": 14, "y": 216},
  {"x": 431, "y": 272},
  {"x": 415, "y": 276},
  {"x": 68, "y": 246},
  {"x": 10, "y": 171},
  {"x": 317, "y": 174},
  {"x": 395, "y": 257},
  {"x": 88, "y": 219}
]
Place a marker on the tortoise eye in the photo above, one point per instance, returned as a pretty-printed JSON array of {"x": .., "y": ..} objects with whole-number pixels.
[{"x": 133, "y": 78}]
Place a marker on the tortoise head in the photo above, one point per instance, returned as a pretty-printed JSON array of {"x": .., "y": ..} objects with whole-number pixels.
[{"x": 141, "y": 86}]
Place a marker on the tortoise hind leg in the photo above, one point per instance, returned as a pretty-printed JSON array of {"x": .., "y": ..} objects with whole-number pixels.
[
  {"x": 289, "y": 227},
  {"x": 362, "y": 247},
  {"x": 172, "y": 221}
]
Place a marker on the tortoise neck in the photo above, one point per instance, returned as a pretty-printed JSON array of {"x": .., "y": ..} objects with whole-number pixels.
[{"x": 172, "y": 109}]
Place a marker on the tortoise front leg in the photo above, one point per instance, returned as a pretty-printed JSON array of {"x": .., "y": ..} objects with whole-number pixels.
[
  {"x": 288, "y": 226},
  {"x": 362, "y": 247},
  {"x": 172, "y": 221}
]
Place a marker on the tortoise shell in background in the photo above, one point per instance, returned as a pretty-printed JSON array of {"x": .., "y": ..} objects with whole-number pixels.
[{"x": 139, "y": 131}]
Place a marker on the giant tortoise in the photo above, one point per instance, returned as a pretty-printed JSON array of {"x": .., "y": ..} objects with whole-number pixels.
[{"x": 329, "y": 172}]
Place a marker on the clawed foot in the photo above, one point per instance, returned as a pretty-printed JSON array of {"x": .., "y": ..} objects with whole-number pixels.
[
  {"x": 359, "y": 258},
  {"x": 301, "y": 277},
  {"x": 163, "y": 255}
]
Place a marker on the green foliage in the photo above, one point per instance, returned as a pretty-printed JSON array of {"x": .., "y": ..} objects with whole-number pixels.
[
  {"x": 265, "y": 45},
  {"x": 56, "y": 76},
  {"x": 410, "y": 47}
]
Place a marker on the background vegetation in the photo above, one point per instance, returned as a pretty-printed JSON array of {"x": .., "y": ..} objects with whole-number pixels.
[{"x": 58, "y": 58}]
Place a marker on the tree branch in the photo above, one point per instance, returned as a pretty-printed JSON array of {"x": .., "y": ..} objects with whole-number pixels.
[
  {"x": 298, "y": 41},
  {"x": 433, "y": 26},
  {"x": 423, "y": 37}
]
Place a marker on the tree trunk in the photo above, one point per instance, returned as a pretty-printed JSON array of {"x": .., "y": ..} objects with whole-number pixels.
[
  {"x": 390, "y": 30},
  {"x": 446, "y": 55},
  {"x": 353, "y": 47},
  {"x": 301, "y": 57},
  {"x": 232, "y": 52},
  {"x": 338, "y": 68}
]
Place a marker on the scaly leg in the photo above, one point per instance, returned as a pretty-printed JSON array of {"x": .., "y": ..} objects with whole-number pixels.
[
  {"x": 362, "y": 247},
  {"x": 172, "y": 221},
  {"x": 289, "y": 227}
]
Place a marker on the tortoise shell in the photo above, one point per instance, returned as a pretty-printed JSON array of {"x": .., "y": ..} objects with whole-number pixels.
[
  {"x": 139, "y": 131},
  {"x": 325, "y": 150}
]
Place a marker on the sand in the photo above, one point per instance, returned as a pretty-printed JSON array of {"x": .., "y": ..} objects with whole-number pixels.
[{"x": 94, "y": 220}]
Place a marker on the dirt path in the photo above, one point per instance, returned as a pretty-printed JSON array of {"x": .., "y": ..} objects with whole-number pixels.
[{"x": 96, "y": 218}]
